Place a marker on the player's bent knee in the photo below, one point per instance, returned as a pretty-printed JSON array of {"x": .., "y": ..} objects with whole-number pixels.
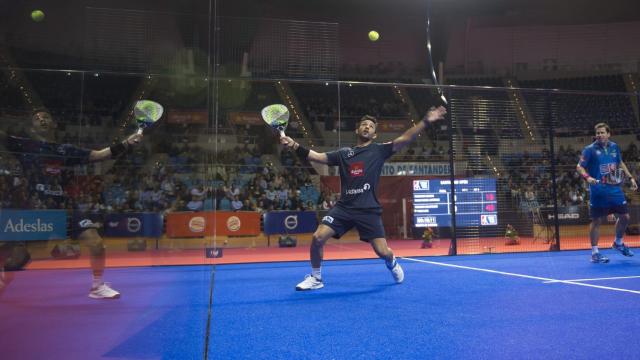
[
  {"x": 317, "y": 240},
  {"x": 94, "y": 241}
]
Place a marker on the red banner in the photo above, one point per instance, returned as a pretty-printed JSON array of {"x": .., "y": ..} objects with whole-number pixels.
[
  {"x": 200, "y": 224},
  {"x": 187, "y": 116},
  {"x": 238, "y": 223},
  {"x": 245, "y": 118},
  {"x": 189, "y": 224}
]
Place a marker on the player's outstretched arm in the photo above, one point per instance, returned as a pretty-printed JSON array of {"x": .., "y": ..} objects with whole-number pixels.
[
  {"x": 303, "y": 152},
  {"x": 115, "y": 151},
  {"x": 585, "y": 175},
  {"x": 433, "y": 115}
]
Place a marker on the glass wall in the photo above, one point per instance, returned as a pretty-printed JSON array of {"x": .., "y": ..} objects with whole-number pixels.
[{"x": 210, "y": 184}]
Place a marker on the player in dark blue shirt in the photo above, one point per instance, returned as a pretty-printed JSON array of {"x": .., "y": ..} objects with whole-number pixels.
[
  {"x": 602, "y": 167},
  {"x": 38, "y": 154},
  {"x": 360, "y": 168}
]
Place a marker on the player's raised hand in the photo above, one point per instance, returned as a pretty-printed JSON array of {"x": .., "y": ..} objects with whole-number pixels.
[
  {"x": 134, "y": 139},
  {"x": 288, "y": 142},
  {"x": 434, "y": 114}
]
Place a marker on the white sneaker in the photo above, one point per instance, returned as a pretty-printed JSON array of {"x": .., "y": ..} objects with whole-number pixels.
[
  {"x": 398, "y": 274},
  {"x": 103, "y": 292},
  {"x": 310, "y": 282}
]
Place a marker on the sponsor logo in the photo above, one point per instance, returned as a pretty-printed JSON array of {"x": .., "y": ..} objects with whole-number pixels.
[
  {"x": 328, "y": 219},
  {"x": 87, "y": 223},
  {"x": 607, "y": 168},
  {"x": 21, "y": 227},
  {"x": 291, "y": 222},
  {"x": 421, "y": 185},
  {"x": 365, "y": 187},
  {"x": 197, "y": 224},
  {"x": 426, "y": 220},
  {"x": 134, "y": 224},
  {"x": 350, "y": 153},
  {"x": 488, "y": 220},
  {"x": 357, "y": 169},
  {"x": 233, "y": 223},
  {"x": 564, "y": 216},
  {"x": 113, "y": 224}
]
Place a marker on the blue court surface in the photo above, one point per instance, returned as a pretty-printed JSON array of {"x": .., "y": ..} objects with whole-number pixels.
[{"x": 536, "y": 305}]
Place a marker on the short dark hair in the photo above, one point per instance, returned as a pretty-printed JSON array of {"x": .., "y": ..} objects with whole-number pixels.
[
  {"x": 370, "y": 118},
  {"x": 602, "y": 125},
  {"x": 39, "y": 110}
]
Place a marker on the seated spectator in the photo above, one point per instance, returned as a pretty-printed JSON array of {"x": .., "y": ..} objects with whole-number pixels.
[
  {"x": 195, "y": 204},
  {"x": 236, "y": 204}
]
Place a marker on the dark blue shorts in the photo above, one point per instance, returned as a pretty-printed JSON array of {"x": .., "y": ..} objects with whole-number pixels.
[
  {"x": 83, "y": 221},
  {"x": 368, "y": 224},
  {"x": 597, "y": 212}
]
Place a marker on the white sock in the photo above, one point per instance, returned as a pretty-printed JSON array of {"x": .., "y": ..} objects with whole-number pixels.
[
  {"x": 97, "y": 281},
  {"x": 316, "y": 273},
  {"x": 594, "y": 250},
  {"x": 619, "y": 241}
]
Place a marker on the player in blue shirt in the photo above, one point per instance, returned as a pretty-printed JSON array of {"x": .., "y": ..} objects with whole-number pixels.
[
  {"x": 360, "y": 168},
  {"x": 38, "y": 154},
  {"x": 602, "y": 167}
]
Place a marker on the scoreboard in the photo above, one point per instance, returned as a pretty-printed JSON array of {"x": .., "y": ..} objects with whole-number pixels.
[{"x": 476, "y": 202}]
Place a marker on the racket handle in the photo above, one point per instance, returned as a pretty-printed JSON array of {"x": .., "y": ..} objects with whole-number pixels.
[{"x": 139, "y": 132}]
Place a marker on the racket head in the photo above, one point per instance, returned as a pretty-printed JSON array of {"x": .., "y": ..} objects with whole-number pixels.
[
  {"x": 147, "y": 112},
  {"x": 615, "y": 177},
  {"x": 276, "y": 116}
]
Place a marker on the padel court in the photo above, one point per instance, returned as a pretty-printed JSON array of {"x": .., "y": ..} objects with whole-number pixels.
[{"x": 541, "y": 305}]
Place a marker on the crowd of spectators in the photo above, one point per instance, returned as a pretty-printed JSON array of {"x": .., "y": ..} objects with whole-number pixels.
[
  {"x": 529, "y": 182},
  {"x": 237, "y": 181}
]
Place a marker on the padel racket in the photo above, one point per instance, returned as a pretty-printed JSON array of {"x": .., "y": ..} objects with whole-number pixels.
[
  {"x": 277, "y": 117},
  {"x": 147, "y": 112},
  {"x": 613, "y": 177}
]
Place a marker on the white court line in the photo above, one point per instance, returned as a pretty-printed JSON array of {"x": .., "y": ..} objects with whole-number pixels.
[
  {"x": 597, "y": 279},
  {"x": 545, "y": 280}
]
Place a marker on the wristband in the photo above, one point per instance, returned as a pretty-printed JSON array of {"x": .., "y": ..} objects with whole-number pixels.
[
  {"x": 118, "y": 149},
  {"x": 302, "y": 152}
]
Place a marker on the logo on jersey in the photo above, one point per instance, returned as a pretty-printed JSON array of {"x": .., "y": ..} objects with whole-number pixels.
[
  {"x": 364, "y": 188},
  {"x": 87, "y": 224},
  {"x": 356, "y": 169},
  {"x": 607, "y": 168},
  {"x": 328, "y": 219},
  {"x": 350, "y": 153}
]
